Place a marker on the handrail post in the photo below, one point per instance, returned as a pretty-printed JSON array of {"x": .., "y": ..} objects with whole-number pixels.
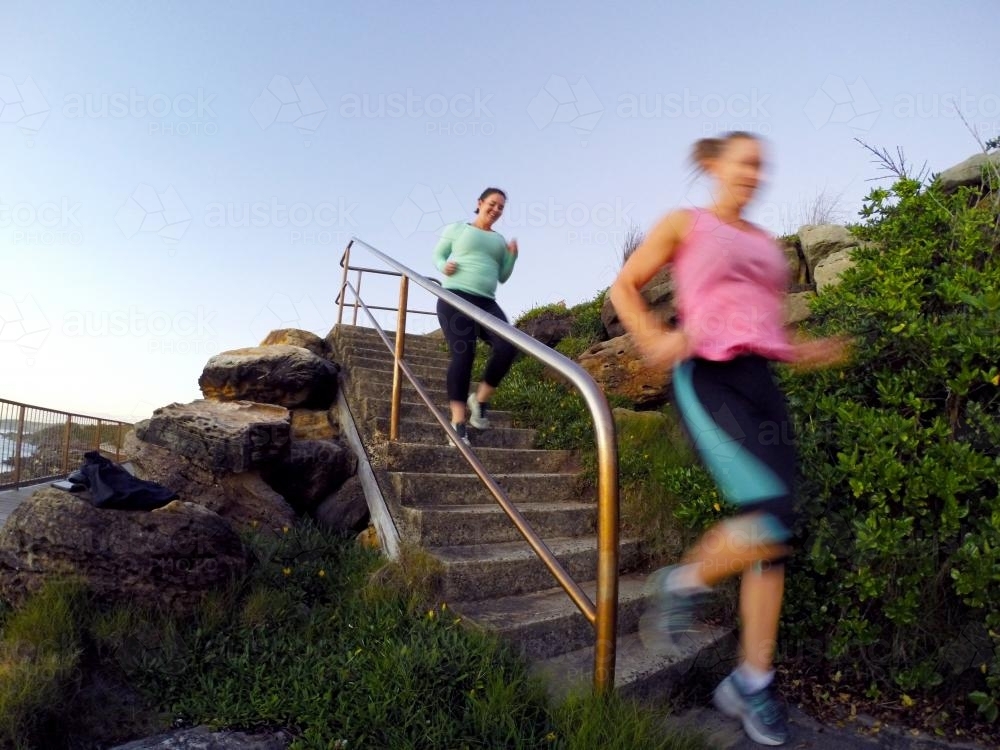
[
  {"x": 605, "y": 624},
  {"x": 18, "y": 446},
  {"x": 97, "y": 440},
  {"x": 357, "y": 298},
  {"x": 397, "y": 373},
  {"x": 66, "y": 438},
  {"x": 343, "y": 282},
  {"x": 118, "y": 442}
]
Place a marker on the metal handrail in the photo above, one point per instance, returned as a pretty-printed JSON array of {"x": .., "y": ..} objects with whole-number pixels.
[
  {"x": 603, "y": 615},
  {"x": 52, "y": 418}
]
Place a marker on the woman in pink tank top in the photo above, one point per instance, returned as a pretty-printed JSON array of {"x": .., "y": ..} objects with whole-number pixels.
[{"x": 730, "y": 279}]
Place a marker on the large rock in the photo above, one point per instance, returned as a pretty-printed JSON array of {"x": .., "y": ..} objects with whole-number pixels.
[
  {"x": 658, "y": 294},
  {"x": 202, "y": 738},
  {"x": 829, "y": 270},
  {"x": 550, "y": 327},
  {"x": 308, "y": 424},
  {"x": 169, "y": 557},
  {"x": 222, "y": 436},
  {"x": 244, "y": 499},
  {"x": 310, "y": 471},
  {"x": 793, "y": 256},
  {"x": 821, "y": 240},
  {"x": 298, "y": 337},
  {"x": 619, "y": 369},
  {"x": 289, "y": 376},
  {"x": 969, "y": 172},
  {"x": 797, "y": 307},
  {"x": 346, "y": 510}
]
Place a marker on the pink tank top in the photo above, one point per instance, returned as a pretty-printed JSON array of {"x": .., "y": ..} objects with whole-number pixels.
[{"x": 729, "y": 286}]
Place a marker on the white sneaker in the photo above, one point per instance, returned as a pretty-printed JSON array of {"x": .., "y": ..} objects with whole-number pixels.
[
  {"x": 476, "y": 417},
  {"x": 463, "y": 434}
]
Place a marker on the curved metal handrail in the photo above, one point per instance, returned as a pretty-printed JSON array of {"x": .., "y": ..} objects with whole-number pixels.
[{"x": 603, "y": 615}]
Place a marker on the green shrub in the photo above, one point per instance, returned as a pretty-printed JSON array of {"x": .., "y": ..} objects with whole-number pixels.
[{"x": 899, "y": 580}]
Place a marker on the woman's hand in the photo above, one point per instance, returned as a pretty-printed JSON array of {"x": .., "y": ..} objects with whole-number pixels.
[
  {"x": 512, "y": 246},
  {"x": 450, "y": 267},
  {"x": 664, "y": 350},
  {"x": 815, "y": 354}
]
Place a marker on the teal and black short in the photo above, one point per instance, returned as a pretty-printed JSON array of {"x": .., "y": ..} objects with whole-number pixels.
[{"x": 738, "y": 420}]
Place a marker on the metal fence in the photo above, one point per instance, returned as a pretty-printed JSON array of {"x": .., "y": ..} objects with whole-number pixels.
[{"x": 37, "y": 444}]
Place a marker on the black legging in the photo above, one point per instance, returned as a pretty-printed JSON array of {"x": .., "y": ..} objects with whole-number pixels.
[{"x": 461, "y": 332}]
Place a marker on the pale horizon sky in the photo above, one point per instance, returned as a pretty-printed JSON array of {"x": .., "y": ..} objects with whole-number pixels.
[{"x": 181, "y": 178}]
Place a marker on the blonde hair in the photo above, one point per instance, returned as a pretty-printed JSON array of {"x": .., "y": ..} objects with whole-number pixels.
[{"x": 706, "y": 149}]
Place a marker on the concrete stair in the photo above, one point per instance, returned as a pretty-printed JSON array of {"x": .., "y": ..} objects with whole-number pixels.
[{"x": 490, "y": 575}]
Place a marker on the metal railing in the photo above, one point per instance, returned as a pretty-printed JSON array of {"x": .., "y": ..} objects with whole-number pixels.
[
  {"x": 38, "y": 444},
  {"x": 602, "y": 615}
]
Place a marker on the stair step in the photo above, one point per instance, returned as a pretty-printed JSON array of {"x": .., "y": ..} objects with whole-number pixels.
[
  {"x": 445, "y": 459},
  {"x": 411, "y": 408},
  {"x": 420, "y": 489},
  {"x": 641, "y": 674},
  {"x": 431, "y": 433},
  {"x": 384, "y": 359},
  {"x": 547, "y": 623},
  {"x": 450, "y": 525},
  {"x": 481, "y": 571},
  {"x": 363, "y": 382},
  {"x": 426, "y": 373},
  {"x": 415, "y": 343}
]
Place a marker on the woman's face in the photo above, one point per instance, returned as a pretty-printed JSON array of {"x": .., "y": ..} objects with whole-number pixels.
[
  {"x": 491, "y": 207},
  {"x": 738, "y": 170}
]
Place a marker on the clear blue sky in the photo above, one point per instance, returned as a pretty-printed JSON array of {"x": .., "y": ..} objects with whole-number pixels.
[{"x": 133, "y": 138}]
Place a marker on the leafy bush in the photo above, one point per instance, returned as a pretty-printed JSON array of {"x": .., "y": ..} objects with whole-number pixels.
[{"x": 900, "y": 573}]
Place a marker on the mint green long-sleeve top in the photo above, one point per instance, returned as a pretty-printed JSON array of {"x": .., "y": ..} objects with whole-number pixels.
[{"x": 482, "y": 257}]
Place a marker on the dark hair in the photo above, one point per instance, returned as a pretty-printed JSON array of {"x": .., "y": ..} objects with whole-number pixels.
[
  {"x": 706, "y": 149},
  {"x": 487, "y": 193}
]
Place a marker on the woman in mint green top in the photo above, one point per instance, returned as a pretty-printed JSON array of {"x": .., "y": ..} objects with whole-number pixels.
[{"x": 474, "y": 259}]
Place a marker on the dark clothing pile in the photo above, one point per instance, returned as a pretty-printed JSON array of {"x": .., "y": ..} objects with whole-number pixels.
[{"x": 109, "y": 485}]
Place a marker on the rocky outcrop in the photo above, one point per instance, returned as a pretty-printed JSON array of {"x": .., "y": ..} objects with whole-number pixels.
[
  {"x": 222, "y": 436},
  {"x": 550, "y": 327},
  {"x": 244, "y": 499},
  {"x": 819, "y": 241},
  {"x": 619, "y": 369},
  {"x": 202, "y": 738},
  {"x": 309, "y": 424},
  {"x": 310, "y": 471},
  {"x": 969, "y": 173},
  {"x": 169, "y": 557},
  {"x": 797, "y": 307},
  {"x": 288, "y": 376},
  {"x": 300, "y": 338},
  {"x": 659, "y": 296},
  {"x": 346, "y": 510},
  {"x": 829, "y": 270}
]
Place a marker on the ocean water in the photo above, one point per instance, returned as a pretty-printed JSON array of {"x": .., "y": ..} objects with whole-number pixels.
[{"x": 8, "y": 445}]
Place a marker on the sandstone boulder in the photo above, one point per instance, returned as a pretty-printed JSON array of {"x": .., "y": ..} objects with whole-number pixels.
[
  {"x": 169, "y": 557},
  {"x": 617, "y": 366},
  {"x": 244, "y": 499},
  {"x": 797, "y": 307},
  {"x": 549, "y": 327},
  {"x": 288, "y": 376},
  {"x": 821, "y": 240},
  {"x": 310, "y": 471},
  {"x": 298, "y": 337},
  {"x": 346, "y": 510},
  {"x": 222, "y": 436},
  {"x": 658, "y": 294},
  {"x": 969, "y": 172},
  {"x": 309, "y": 424},
  {"x": 829, "y": 270}
]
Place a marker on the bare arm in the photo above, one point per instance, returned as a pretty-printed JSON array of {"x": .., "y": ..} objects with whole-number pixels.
[{"x": 657, "y": 342}]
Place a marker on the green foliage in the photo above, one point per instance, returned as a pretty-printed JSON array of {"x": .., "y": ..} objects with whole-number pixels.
[
  {"x": 39, "y": 657},
  {"x": 901, "y": 492}
]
